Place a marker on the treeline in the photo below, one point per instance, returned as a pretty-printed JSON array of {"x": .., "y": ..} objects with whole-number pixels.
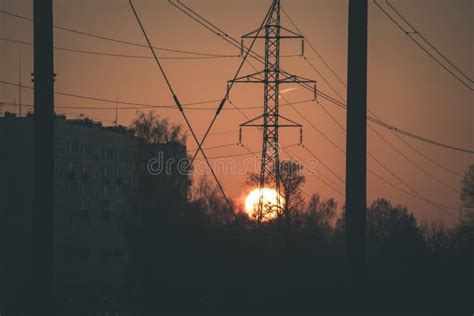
[
  {"x": 216, "y": 258},
  {"x": 202, "y": 255}
]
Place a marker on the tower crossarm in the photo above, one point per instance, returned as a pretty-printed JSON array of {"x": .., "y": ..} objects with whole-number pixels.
[
  {"x": 287, "y": 34},
  {"x": 259, "y": 77},
  {"x": 289, "y": 78},
  {"x": 270, "y": 121},
  {"x": 287, "y": 123}
]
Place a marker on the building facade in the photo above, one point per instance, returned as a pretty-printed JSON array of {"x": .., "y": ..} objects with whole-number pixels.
[{"x": 98, "y": 203}]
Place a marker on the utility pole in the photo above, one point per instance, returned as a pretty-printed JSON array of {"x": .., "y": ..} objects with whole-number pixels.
[
  {"x": 43, "y": 197},
  {"x": 116, "y": 111},
  {"x": 356, "y": 158},
  {"x": 271, "y": 77},
  {"x": 20, "y": 84}
]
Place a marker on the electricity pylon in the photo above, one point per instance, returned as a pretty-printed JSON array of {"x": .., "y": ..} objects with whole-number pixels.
[{"x": 270, "y": 120}]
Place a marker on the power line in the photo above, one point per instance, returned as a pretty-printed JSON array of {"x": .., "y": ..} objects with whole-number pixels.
[
  {"x": 247, "y": 154},
  {"x": 312, "y": 47},
  {"x": 330, "y": 115},
  {"x": 400, "y": 153},
  {"x": 317, "y": 129},
  {"x": 335, "y": 91},
  {"x": 140, "y": 105},
  {"x": 413, "y": 162},
  {"x": 289, "y": 153},
  {"x": 424, "y": 198},
  {"x": 226, "y": 37},
  {"x": 335, "y": 186},
  {"x": 374, "y": 120},
  {"x": 322, "y": 180},
  {"x": 392, "y": 128},
  {"x": 322, "y": 77},
  {"x": 99, "y": 108},
  {"x": 87, "y": 52},
  {"x": 108, "y": 54},
  {"x": 220, "y": 33},
  {"x": 409, "y": 160},
  {"x": 220, "y": 133},
  {"x": 334, "y": 119},
  {"x": 416, "y": 194},
  {"x": 423, "y": 139},
  {"x": 216, "y": 147},
  {"x": 428, "y": 42},
  {"x": 392, "y": 173},
  {"x": 178, "y": 104},
  {"x": 325, "y": 165},
  {"x": 285, "y": 149},
  {"x": 410, "y": 193},
  {"x": 401, "y": 139},
  {"x": 117, "y": 40},
  {"x": 189, "y": 105},
  {"x": 424, "y": 155},
  {"x": 214, "y": 55},
  {"x": 163, "y": 73},
  {"x": 208, "y": 25},
  {"x": 412, "y": 31},
  {"x": 342, "y": 105},
  {"x": 198, "y": 134},
  {"x": 419, "y": 195},
  {"x": 311, "y": 174},
  {"x": 229, "y": 88}
]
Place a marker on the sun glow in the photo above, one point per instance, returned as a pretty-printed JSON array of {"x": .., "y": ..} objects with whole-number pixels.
[{"x": 270, "y": 198}]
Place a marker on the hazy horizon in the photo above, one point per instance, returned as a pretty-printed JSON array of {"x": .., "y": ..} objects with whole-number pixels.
[{"x": 405, "y": 87}]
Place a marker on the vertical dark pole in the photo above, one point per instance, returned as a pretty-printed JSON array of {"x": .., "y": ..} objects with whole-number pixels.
[
  {"x": 356, "y": 163},
  {"x": 20, "y": 84},
  {"x": 43, "y": 198}
]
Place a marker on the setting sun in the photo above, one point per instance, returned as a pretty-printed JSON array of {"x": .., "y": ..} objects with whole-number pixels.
[{"x": 270, "y": 197}]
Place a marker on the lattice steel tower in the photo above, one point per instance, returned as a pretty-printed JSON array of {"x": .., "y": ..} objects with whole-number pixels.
[{"x": 271, "y": 77}]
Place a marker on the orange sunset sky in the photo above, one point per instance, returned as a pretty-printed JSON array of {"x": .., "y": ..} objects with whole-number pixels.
[{"x": 405, "y": 88}]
